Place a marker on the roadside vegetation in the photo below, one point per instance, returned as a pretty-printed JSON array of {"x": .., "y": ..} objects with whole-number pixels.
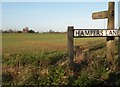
[{"x": 42, "y": 59}]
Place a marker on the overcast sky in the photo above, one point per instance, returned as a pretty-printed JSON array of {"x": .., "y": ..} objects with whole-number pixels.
[{"x": 43, "y": 16}]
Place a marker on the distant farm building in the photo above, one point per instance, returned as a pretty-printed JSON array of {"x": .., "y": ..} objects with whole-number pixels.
[{"x": 25, "y": 30}]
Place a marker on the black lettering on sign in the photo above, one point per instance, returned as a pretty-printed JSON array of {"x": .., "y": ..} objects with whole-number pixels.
[
  {"x": 114, "y": 32},
  {"x": 101, "y": 33},
  {"x": 87, "y": 32},
  {"x": 77, "y": 33},
  {"x": 97, "y": 33},
  {"x": 82, "y": 33},
  {"x": 110, "y": 33}
]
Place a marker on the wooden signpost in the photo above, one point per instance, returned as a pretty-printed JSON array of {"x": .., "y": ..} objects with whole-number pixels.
[
  {"x": 110, "y": 33},
  {"x": 110, "y": 40}
]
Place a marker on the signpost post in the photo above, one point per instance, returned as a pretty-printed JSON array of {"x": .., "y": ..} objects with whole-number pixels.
[
  {"x": 70, "y": 47},
  {"x": 110, "y": 40}
]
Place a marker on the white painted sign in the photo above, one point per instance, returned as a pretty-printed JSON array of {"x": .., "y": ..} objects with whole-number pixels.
[{"x": 96, "y": 33}]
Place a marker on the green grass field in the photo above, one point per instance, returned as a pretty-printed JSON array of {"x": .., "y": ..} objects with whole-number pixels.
[
  {"x": 42, "y": 59},
  {"x": 43, "y": 41}
]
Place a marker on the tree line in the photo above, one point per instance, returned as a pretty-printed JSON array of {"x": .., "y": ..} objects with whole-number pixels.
[
  {"x": 27, "y": 30},
  {"x": 24, "y": 30}
]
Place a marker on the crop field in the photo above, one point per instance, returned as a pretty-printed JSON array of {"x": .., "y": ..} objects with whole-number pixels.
[{"x": 41, "y": 59}]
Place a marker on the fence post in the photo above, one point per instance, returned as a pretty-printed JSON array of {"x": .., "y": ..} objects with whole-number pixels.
[
  {"x": 110, "y": 40},
  {"x": 70, "y": 46}
]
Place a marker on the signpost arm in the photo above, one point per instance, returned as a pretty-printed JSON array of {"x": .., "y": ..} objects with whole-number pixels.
[
  {"x": 100, "y": 15},
  {"x": 110, "y": 40},
  {"x": 70, "y": 46}
]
